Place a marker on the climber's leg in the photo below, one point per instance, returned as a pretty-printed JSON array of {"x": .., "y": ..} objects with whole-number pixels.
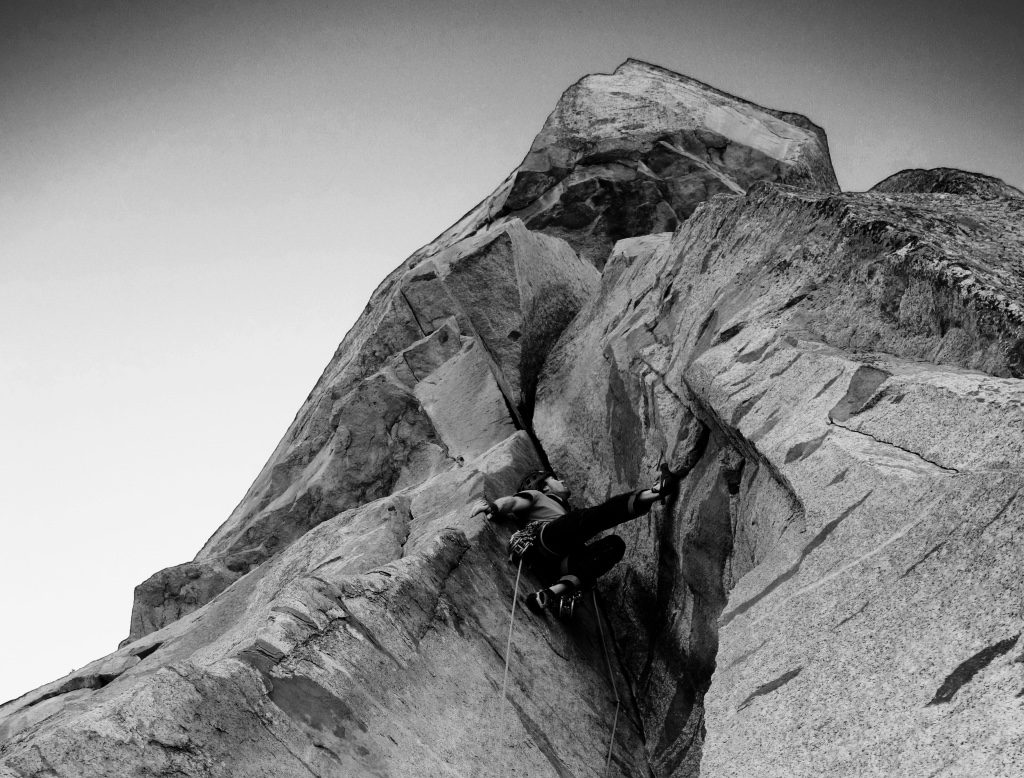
[{"x": 565, "y": 534}]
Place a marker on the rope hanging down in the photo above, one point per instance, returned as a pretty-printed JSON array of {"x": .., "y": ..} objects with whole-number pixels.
[
  {"x": 611, "y": 679},
  {"x": 511, "y": 622}
]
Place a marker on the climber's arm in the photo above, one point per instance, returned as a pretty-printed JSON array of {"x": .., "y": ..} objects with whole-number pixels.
[{"x": 503, "y": 506}]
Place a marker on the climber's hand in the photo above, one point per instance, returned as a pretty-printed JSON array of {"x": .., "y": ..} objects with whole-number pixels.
[{"x": 486, "y": 507}]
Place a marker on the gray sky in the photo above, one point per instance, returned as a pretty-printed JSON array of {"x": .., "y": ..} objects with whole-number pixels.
[{"x": 196, "y": 199}]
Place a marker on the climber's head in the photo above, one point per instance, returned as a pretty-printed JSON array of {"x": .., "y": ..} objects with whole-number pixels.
[
  {"x": 544, "y": 481},
  {"x": 555, "y": 488}
]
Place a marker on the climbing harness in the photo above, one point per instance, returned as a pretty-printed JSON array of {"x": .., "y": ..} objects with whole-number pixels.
[
  {"x": 611, "y": 680},
  {"x": 523, "y": 541}
]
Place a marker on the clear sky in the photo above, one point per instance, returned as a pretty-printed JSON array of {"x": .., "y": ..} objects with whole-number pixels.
[{"x": 196, "y": 199}]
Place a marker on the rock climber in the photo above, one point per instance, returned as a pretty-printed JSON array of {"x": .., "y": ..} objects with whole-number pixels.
[{"x": 554, "y": 541}]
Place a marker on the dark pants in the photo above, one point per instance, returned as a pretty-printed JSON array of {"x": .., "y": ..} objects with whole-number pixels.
[{"x": 563, "y": 541}]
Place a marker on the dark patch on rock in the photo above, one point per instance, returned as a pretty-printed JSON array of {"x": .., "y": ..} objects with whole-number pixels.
[
  {"x": 295, "y": 614},
  {"x": 733, "y": 477},
  {"x": 261, "y": 656},
  {"x": 143, "y": 651},
  {"x": 863, "y": 384},
  {"x": 818, "y": 539},
  {"x": 827, "y": 386},
  {"x": 785, "y": 367},
  {"x": 769, "y": 424},
  {"x": 626, "y": 430},
  {"x": 731, "y": 332},
  {"x": 746, "y": 655},
  {"x": 852, "y": 616},
  {"x": 75, "y": 683},
  {"x": 705, "y": 332},
  {"x": 965, "y": 671},
  {"x": 536, "y": 733},
  {"x": 744, "y": 408},
  {"x": 753, "y": 356},
  {"x": 795, "y": 301},
  {"x": 805, "y": 449},
  {"x": 678, "y": 713},
  {"x": 770, "y": 687},
  {"x": 914, "y": 566},
  {"x": 304, "y": 700},
  {"x": 1001, "y": 512},
  {"x": 839, "y": 477},
  {"x": 1015, "y": 358}
]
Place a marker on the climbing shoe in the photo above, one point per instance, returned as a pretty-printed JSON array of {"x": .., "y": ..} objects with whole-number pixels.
[
  {"x": 537, "y": 601},
  {"x": 668, "y": 484},
  {"x": 560, "y": 599}
]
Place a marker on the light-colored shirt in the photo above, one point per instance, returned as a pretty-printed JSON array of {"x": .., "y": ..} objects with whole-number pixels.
[{"x": 543, "y": 507}]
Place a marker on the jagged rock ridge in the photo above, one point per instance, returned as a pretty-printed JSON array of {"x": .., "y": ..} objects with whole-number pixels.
[{"x": 835, "y": 591}]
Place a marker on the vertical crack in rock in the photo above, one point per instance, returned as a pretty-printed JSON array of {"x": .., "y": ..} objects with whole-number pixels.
[{"x": 965, "y": 671}]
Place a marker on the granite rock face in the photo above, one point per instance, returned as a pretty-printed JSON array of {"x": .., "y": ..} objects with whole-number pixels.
[
  {"x": 835, "y": 591},
  {"x": 444, "y": 345}
]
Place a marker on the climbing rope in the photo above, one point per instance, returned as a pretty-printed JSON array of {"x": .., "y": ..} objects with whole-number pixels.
[
  {"x": 511, "y": 622},
  {"x": 611, "y": 679}
]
